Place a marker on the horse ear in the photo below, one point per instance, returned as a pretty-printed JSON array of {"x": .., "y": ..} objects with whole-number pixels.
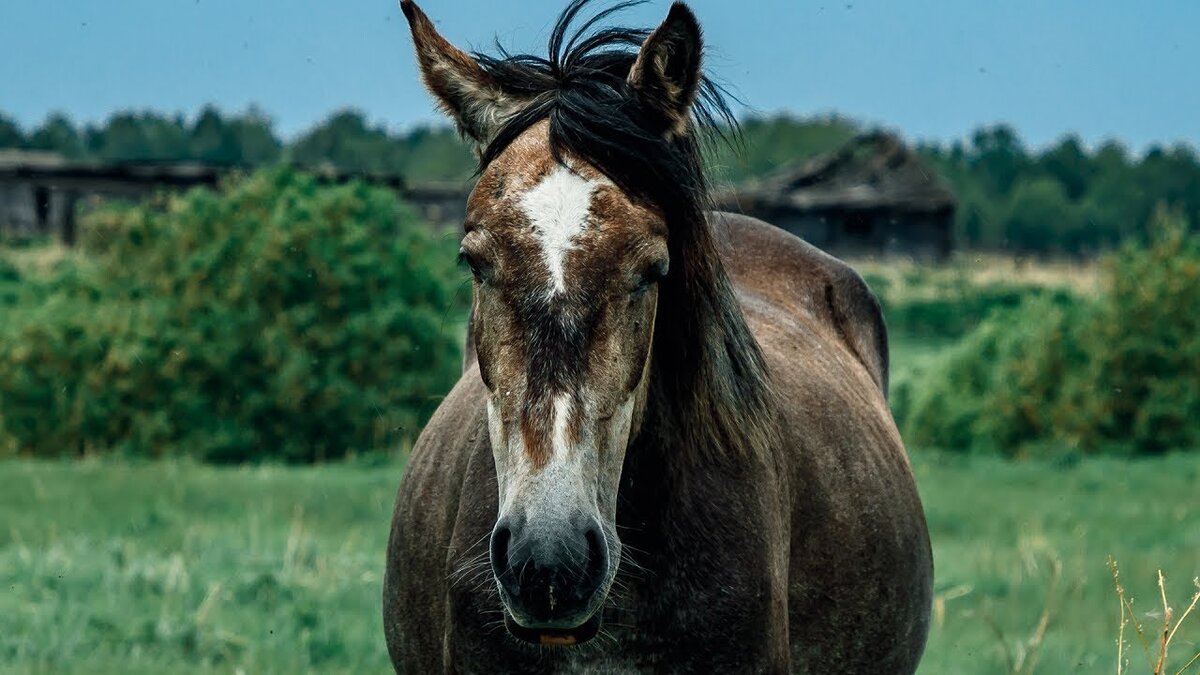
[
  {"x": 666, "y": 74},
  {"x": 463, "y": 89}
]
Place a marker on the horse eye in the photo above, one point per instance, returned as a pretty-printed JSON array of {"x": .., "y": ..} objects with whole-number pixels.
[
  {"x": 467, "y": 260},
  {"x": 653, "y": 275}
]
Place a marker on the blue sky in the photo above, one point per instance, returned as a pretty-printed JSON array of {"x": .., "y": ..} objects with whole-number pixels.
[{"x": 933, "y": 69}]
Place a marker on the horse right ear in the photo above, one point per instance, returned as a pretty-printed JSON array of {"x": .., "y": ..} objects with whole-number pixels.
[
  {"x": 666, "y": 74},
  {"x": 462, "y": 88}
]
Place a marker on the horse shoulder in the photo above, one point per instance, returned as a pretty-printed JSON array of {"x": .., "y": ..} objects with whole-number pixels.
[
  {"x": 424, "y": 524},
  {"x": 799, "y": 278}
]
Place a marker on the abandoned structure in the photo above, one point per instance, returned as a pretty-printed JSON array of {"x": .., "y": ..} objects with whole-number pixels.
[
  {"x": 873, "y": 197},
  {"x": 40, "y": 193}
]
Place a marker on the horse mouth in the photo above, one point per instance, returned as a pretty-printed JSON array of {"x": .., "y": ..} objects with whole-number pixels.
[{"x": 554, "y": 637}]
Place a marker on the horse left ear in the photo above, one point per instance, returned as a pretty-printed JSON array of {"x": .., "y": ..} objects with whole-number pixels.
[
  {"x": 666, "y": 74},
  {"x": 463, "y": 89}
]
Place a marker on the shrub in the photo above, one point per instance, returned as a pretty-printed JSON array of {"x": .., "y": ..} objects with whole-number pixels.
[
  {"x": 1118, "y": 372},
  {"x": 949, "y": 303},
  {"x": 955, "y": 311},
  {"x": 1141, "y": 382},
  {"x": 992, "y": 390},
  {"x": 276, "y": 318},
  {"x": 10, "y": 283}
]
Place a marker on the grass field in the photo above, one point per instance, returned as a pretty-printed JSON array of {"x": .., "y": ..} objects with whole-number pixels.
[
  {"x": 157, "y": 568},
  {"x": 174, "y": 567}
]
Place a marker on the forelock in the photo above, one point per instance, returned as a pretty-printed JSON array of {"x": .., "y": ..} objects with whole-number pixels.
[{"x": 580, "y": 91}]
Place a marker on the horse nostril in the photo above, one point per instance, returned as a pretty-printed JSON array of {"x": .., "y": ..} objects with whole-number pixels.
[
  {"x": 597, "y": 552},
  {"x": 501, "y": 537}
]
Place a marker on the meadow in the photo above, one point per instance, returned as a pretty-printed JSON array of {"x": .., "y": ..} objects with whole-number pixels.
[
  {"x": 122, "y": 565},
  {"x": 113, "y": 566},
  {"x": 112, "y": 562}
]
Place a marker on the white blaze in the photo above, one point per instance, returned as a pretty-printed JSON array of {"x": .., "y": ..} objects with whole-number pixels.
[
  {"x": 562, "y": 417},
  {"x": 575, "y": 476},
  {"x": 562, "y": 479},
  {"x": 558, "y": 209}
]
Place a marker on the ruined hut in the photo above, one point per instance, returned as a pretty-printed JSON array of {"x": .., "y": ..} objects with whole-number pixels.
[
  {"x": 40, "y": 193},
  {"x": 873, "y": 197}
]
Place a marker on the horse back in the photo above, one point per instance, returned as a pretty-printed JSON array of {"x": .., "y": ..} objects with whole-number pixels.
[{"x": 805, "y": 286}]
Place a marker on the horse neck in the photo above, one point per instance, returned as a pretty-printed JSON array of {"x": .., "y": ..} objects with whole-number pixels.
[
  {"x": 708, "y": 430},
  {"x": 709, "y": 397}
]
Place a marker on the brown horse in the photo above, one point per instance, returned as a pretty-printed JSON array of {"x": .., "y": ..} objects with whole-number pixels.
[{"x": 670, "y": 449}]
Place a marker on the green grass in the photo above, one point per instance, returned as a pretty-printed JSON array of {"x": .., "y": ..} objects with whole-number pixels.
[
  {"x": 175, "y": 567},
  {"x": 108, "y": 567},
  {"x": 1000, "y": 528}
]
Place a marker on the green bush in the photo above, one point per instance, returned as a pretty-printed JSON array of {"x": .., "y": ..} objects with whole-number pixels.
[
  {"x": 1118, "y": 373},
  {"x": 10, "y": 283},
  {"x": 956, "y": 311},
  {"x": 276, "y": 318},
  {"x": 950, "y": 304}
]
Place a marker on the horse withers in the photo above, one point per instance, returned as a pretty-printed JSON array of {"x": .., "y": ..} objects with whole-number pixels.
[{"x": 670, "y": 449}]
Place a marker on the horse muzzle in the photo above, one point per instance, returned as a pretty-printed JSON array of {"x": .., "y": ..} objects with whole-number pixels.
[{"x": 552, "y": 579}]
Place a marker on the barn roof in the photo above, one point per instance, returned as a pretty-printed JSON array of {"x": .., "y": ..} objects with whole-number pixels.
[{"x": 873, "y": 171}]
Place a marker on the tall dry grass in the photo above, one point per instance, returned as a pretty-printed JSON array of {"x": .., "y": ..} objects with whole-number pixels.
[
  {"x": 912, "y": 279},
  {"x": 1156, "y": 646}
]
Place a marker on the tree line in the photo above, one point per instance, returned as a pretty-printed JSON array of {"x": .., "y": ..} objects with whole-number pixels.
[
  {"x": 346, "y": 140},
  {"x": 1064, "y": 199}
]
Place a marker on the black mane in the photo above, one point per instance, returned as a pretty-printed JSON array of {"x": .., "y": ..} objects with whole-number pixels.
[{"x": 581, "y": 88}]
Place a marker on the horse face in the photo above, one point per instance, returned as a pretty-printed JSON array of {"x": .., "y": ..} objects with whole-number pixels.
[
  {"x": 565, "y": 293},
  {"x": 566, "y": 268}
]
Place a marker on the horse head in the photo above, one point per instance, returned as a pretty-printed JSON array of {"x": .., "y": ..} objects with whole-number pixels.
[{"x": 586, "y": 160}]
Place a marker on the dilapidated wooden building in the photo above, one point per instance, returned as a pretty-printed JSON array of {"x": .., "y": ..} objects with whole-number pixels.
[
  {"x": 872, "y": 197},
  {"x": 41, "y": 193}
]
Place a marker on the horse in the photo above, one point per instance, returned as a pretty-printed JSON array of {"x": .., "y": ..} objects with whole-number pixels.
[{"x": 670, "y": 449}]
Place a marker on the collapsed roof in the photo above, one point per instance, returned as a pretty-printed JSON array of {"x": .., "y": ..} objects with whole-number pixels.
[{"x": 874, "y": 171}]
